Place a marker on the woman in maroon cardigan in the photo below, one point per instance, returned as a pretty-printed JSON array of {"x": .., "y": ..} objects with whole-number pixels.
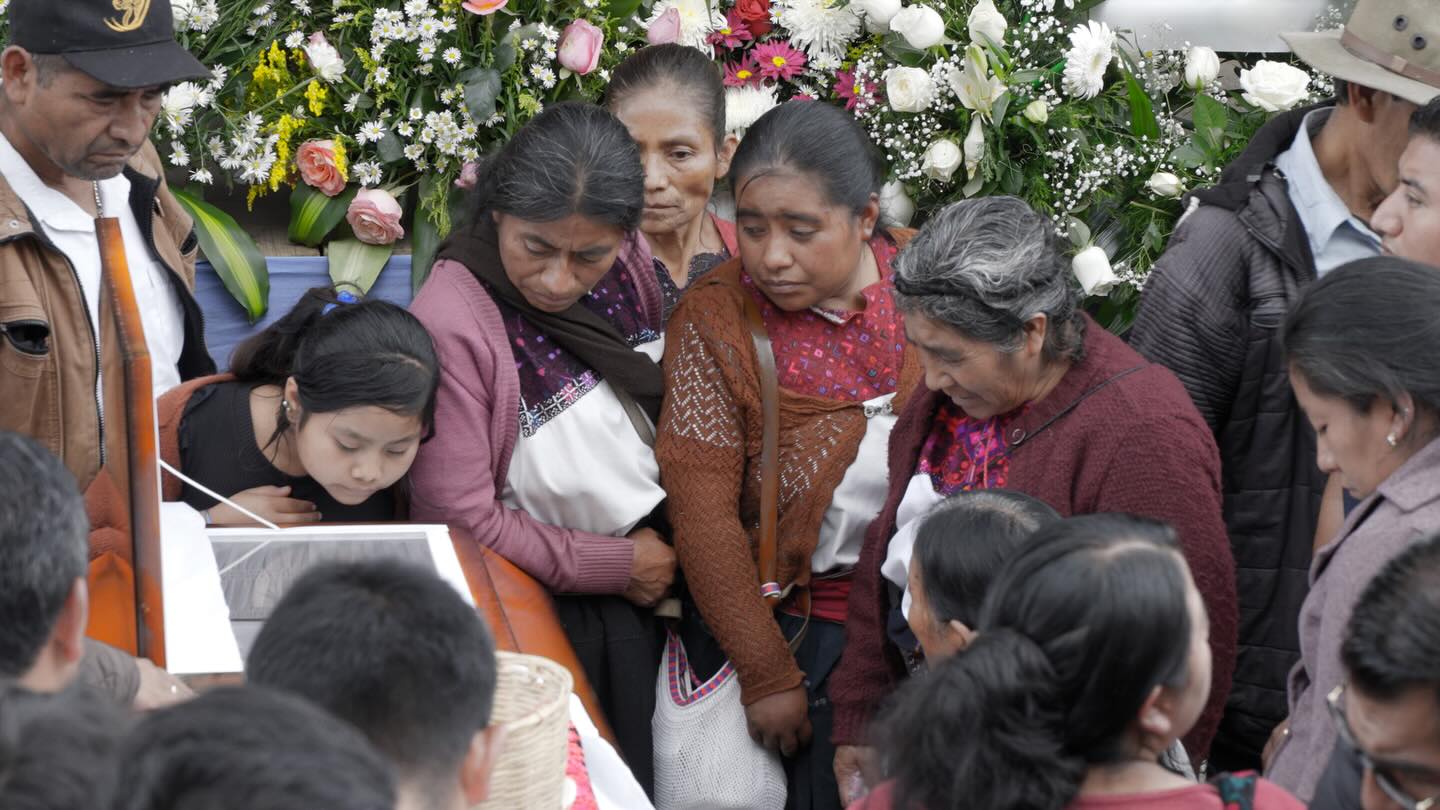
[{"x": 1027, "y": 393}]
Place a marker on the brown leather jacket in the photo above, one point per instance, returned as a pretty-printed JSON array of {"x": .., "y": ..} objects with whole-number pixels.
[{"x": 48, "y": 351}]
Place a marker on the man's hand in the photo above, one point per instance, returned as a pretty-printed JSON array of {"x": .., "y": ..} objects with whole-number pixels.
[
  {"x": 780, "y": 722},
  {"x": 158, "y": 688},
  {"x": 652, "y": 570},
  {"x": 272, "y": 503}
]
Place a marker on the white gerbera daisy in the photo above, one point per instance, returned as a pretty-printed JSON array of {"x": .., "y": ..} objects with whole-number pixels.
[
  {"x": 697, "y": 19},
  {"x": 1092, "y": 47},
  {"x": 819, "y": 26},
  {"x": 745, "y": 105}
]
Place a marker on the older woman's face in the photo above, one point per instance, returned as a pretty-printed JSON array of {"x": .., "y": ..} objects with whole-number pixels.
[
  {"x": 680, "y": 156},
  {"x": 798, "y": 248},
  {"x": 978, "y": 377},
  {"x": 1348, "y": 441},
  {"x": 553, "y": 264}
]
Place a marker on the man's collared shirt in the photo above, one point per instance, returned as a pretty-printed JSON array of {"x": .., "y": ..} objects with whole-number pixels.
[
  {"x": 72, "y": 230},
  {"x": 1336, "y": 235}
]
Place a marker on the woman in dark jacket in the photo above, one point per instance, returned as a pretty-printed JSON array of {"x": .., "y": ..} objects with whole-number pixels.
[{"x": 1028, "y": 393}]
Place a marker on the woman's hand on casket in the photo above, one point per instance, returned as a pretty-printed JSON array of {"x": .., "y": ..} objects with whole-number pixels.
[
  {"x": 272, "y": 503},
  {"x": 780, "y": 722},
  {"x": 652, "y": 569}
]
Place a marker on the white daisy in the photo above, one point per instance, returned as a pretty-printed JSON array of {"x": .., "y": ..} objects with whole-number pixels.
[
  {"x": 370, "y": 132},
  {"x": 697, "y": 19},
  {"x": 819, "y": 26},
  {"x": 414, "y": 151},
  {"x": 1092, "y": 47},
  {"x": 179, "y": 155},
  {"x": 451, "y": 56},
  {"x": 294, "y": 39},
  {"x": 745, "y": 105},
  {"x": 367, "y": 174},
  {"x": 202, "y": 176},
  {"x": 381, "y": 75},
  {"x": 353, "y": 103}
]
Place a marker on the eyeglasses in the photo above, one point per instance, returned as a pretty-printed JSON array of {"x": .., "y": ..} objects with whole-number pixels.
[{"x": 1383, "y": 779}]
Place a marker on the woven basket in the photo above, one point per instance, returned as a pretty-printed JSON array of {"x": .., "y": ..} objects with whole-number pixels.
[{"x": 532, "y": 702}]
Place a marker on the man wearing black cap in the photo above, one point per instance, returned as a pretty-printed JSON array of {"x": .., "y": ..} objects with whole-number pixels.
[{"x": 83, "y": 81}]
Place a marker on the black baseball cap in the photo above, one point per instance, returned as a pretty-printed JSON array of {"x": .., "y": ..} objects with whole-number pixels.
[{"x": 123, "y": 43}]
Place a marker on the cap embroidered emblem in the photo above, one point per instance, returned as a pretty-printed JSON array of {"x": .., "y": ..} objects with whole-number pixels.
[{"x": 134, "y": 14}]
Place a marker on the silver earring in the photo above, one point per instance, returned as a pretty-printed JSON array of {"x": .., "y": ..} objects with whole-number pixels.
[
  {"x": 1391, "y": 440},
  {"x": 285, "y": 404}
]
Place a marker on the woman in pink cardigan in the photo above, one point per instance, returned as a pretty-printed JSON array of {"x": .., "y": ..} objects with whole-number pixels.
[{"x": 546, "y": 315}]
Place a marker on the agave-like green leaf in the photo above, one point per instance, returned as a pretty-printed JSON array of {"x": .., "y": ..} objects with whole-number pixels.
[
  {"x": 232, "y": 252},
  {"x": 313, "y": 215},
  {"x": 355, "y": 264}
]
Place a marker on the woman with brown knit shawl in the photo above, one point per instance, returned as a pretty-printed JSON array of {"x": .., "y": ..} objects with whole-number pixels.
[{"x": 816, "y": 266}]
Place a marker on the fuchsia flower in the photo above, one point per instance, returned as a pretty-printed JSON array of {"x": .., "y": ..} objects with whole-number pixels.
[
  {"x": 733, "y": 35},
  {"x": 779, "y": 60},
  {"x": 856, "y": 94},
  {"x": 741, "y": 74}
]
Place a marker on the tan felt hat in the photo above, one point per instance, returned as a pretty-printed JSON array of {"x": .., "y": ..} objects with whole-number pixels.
[{"x": 1389, "y": 45}]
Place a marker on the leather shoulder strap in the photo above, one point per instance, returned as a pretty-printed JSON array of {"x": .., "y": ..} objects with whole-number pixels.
[{"x": 769, "y": 454}]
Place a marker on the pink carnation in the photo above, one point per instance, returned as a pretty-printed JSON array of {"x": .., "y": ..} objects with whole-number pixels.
[
  {"x": 316, "y": 160},
  {"x": 374, "y": 215}
]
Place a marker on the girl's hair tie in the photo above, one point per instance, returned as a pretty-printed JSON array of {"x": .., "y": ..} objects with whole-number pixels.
[{"x": 342, "y": 297}]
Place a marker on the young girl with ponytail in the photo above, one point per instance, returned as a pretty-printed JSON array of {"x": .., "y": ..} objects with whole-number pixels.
[
  {"x": 319, "y": 417},
  {"x": 1091, "y": 660}
]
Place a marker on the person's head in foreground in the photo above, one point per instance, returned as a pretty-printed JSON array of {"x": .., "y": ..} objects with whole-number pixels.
[
  {"x": 1409, "y": 219},
  {"x": 1092, "y": 659},
  {"x": 1389, "y": 709},
  {"x": 396, "y": 652},
  {"x": 243, "y": 748},
  {"x": 807, "y": 199},
  {"x": 960, "y": 547},
  {"x": 1363, "y": 345},
  {"x": 989, "y": 304},
  {"x": 59, "y": 751},
  {"x": 83, "y": 81},
  {"x": 356, "y": 382},
  {"x": 44, "y": 546},
  {"x": 562, "y": 195}
]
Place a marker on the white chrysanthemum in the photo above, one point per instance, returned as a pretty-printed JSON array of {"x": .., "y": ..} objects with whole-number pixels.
[
  {"x": 745, "y": 105},
  {"x": 697, "y": 19},
  {"x": 1092, "y": 47},
  {"x": 294, "y": 39},
  {"x": 819, "y": 26}
]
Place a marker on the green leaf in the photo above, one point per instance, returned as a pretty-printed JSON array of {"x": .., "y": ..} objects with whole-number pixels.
[
  {"x": 504, "y": 55},
  {"x": 481, "y": 91},
  {"x": 313, "y": 215},
  {"x": 1142, "y": 111},
  {"x": 1211, "y": 119},
  {"x": 997, "y": 112},
  {"x": 390, "y": 148},
  {"x": 621, "y": 9},
  {"x": 233, "y": 253},
  {"x": 356, "y": 264},
  {"x": 901, "y": 51}
]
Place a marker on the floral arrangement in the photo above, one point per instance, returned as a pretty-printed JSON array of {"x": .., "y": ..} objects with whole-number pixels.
[{"x": 363, "y": 110}]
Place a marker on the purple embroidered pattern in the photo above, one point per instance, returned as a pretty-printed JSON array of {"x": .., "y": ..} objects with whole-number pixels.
[
  {"x": 962, "y": 454},
  {"x": 552, "y": 379}
]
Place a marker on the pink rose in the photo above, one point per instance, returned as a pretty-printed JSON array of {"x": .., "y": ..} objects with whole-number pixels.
[
  {"x": 469, "y": 175},
  {"x": 483, "y": 7},
  {"x": 580, "y": 46},
  {"x": 665, "y": 29},
  {"x": 316, "y": 160},
  {"x": 375, "y": 217}
]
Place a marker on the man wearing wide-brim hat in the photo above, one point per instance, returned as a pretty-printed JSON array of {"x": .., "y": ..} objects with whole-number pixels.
[
  {"x": 83, "y": 83},
  {"x": 1295, "y": 205}
]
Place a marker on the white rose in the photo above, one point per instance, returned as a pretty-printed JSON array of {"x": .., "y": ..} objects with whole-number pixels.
[
  {"x": 941, "y": 160},
  {"x": 909, "y": 89},
  {"x": 896, "y": 207},
  {"x": 921, "y": 26},
  {"x": 1092, "y": 269},
  {"x": 986, "y": 22},
  {"x": 1201, "y": 67},
  {"x": 324, "y": 58},
  {"x": 1274, "y": 86},
  {"x": 1165, "y": 184},
  {"x": 1036, "y": 112},
  {"x": 877, "y": 13},
  {"x": 182, "y": 9}
]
